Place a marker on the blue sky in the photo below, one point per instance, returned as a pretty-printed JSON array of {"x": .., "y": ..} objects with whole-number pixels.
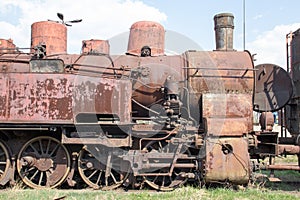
[{"x": 267, "y": 21}]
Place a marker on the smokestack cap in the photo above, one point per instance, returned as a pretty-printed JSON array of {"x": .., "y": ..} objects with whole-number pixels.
[{"x": 224, "y": 19}]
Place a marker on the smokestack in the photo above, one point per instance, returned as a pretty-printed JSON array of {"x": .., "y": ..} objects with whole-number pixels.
[
  {"x": 51, "y": 34},
  {"x": 146, "y": 34},
  {"x": 224, "y": 31}
]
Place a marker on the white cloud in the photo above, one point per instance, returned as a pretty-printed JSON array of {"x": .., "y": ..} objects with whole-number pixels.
[
  {"x": 270, "y": 46},
  {"x": 102, "y": 19},
  {"x": 258, "y": 17}
]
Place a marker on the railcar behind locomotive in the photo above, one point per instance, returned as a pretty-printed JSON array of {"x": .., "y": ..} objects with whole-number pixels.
[{"x": 126, "y": 120}]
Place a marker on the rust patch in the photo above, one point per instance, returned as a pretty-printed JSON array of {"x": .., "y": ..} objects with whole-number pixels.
[
  {"x": 58, "y": 98},
  {"x": 227, "y": 114},
  {"x": 227, "y": 160}
]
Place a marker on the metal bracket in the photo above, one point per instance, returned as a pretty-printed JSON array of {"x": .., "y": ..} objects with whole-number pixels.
[{"x": 70, "y": 180}]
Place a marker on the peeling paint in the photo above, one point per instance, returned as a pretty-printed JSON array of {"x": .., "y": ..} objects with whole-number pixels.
[{"x": 52, "y": 98}]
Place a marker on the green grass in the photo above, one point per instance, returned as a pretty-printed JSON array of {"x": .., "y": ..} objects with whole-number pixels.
[
  {"x": 261, "y": 189},
  {"x": 293, "y": 159},
  {"x": 290, "y": 180},
  {"x": 249, "y": 194},
  {"x": 187, "y": 192}
]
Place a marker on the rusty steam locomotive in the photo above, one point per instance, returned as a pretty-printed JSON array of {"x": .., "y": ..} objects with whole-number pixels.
[{"x": 141, "y": 117}]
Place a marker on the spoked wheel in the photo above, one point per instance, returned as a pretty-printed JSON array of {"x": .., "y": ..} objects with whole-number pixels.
[
  {"x": 101, "y": 169},
  {"x": 4, "y": 161},
  {"x": 43, "y": 162},
  {"x": 165, "y": 182}
]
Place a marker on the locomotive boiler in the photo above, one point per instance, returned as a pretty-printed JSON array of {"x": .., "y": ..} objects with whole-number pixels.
[{"x": 125, "y": 120}]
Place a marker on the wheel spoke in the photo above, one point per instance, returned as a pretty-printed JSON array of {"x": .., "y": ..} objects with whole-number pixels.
[
  {"x": 163, "y": 181},
  {"x": 113, "y": 177},
  {"x": 34, "y": 149},
  {"x": 35, "y": 173},
  {"x": 5, "y": 162},
  {"x": 99, "y": 177},
  {"x": 53, "y": 151},
  {"x": 41, "y": 178},
  {"x": 90, "y": 176},
  {"x": 41, "y": 147},
  {"x": 48, "y": 146},
  {"x": 170, "y": 180},
  {"x": 30, "y": 169},
  {"x": 156, "y": 177}
]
